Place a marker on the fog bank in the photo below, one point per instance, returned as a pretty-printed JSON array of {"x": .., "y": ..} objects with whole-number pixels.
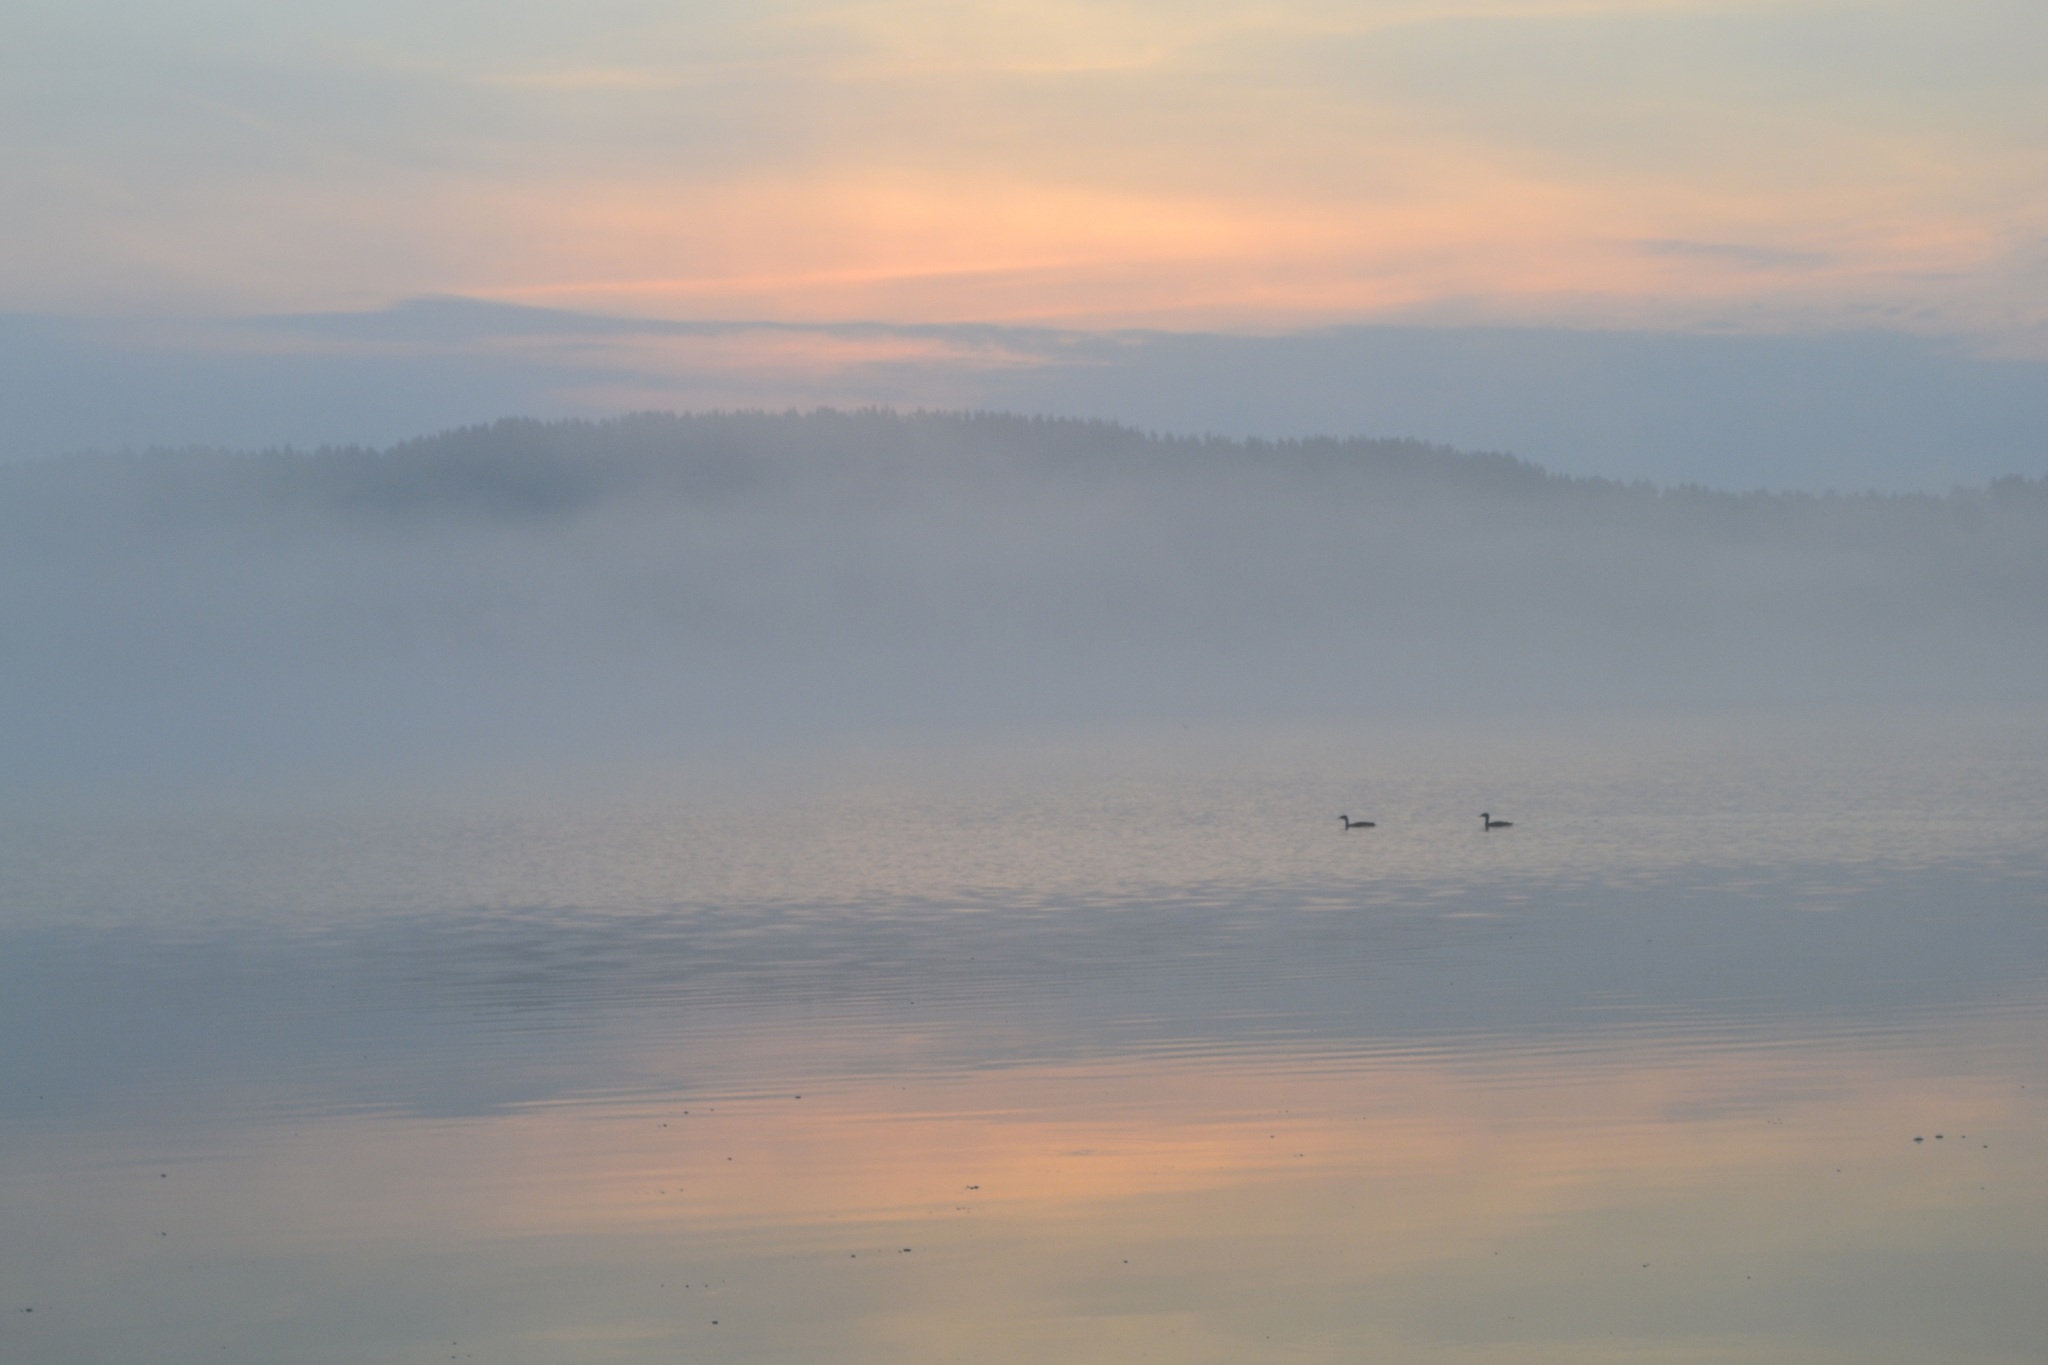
[{"x": 661, "y": 583}]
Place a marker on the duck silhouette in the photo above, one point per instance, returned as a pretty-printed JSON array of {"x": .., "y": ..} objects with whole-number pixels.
[
  {"x": 1350, "y": 823},
  {"x": 1486, "y": 819}
]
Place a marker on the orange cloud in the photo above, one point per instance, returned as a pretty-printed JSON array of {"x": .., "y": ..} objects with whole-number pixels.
[{"x": 1211, "y": 165}]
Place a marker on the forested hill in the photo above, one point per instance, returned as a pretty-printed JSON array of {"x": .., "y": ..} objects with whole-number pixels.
[
  {"x": 530, "y": 470},
  {"x": 524, "y": 469},
  {"x": 662, "y": 579}
]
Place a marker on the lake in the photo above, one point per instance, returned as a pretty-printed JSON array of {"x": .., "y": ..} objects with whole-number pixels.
[{"x": 1077, "y": 1046}]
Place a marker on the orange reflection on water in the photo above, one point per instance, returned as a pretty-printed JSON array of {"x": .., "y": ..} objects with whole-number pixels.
[
  {"x": 1446, "y": 1143},
  {"x": 1588, "y": 1198}
]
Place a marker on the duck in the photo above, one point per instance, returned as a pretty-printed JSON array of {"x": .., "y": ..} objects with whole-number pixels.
[
  {"x": 1350, "y": 823},
  {"x": 1486, "y": 819}
]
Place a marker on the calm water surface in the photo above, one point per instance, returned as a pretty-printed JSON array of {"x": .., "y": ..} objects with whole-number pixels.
[{"x": 1095, "y": 1048}]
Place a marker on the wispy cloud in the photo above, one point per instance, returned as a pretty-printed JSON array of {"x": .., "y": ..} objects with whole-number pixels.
[
  {"x": 1215, "y": 163},
  {"x": 580, "y": 78},
  {"x": 1745, "y": 255}
]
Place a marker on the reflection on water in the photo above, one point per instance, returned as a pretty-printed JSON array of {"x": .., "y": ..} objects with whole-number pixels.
[{"x": 1106, "y": 1051}]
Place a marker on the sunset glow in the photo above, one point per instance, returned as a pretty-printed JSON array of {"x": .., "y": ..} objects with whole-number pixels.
[
  {"x": 1639, "y": 162},
  {"x": 1027, "y": 682}
]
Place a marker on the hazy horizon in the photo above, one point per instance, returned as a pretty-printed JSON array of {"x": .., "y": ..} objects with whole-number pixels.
[
  {"x": 1853, "y": 411},
  {"x": 665, "y": 582}
]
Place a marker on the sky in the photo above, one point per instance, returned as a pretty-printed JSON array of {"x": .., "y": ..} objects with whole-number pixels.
[{"x": 1213, "y": 167}]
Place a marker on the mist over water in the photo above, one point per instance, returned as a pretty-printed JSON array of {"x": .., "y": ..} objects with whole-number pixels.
[
  {"x": 662, "y": 583},
  {"x": 1077, "y": 1049},
  {"x": 870, "y": 888}
]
